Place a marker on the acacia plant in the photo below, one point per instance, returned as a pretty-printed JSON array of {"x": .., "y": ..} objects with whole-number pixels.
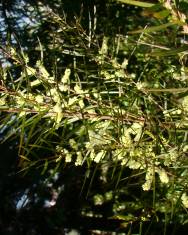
[{"x": 113, "y": 103}]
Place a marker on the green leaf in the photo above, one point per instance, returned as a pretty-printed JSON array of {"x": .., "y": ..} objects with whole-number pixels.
[
  {"x": 170, "y": 52},
  {"x": 161, "y": 14},
  {"x": 170, "y": 90},
  {"x": 137, "y": 3},
  {"x": 128, "y": 217},
  {"x": 156, "y": 7},
  {"x": 156, "y": 28},
  {"x": 158, "y": 11},
  {"x": 45, "y": 167}
]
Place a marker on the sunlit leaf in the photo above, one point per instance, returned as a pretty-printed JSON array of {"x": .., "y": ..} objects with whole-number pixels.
[{"x": 137, "y": 3}]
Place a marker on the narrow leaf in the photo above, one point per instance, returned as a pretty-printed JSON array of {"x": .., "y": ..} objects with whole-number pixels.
[
  {"x": 156, "y": 28},
  {"x": 170, "y": 90},
  {"x": 137, "y": 3},
  {"x": 170, "y": 52}
]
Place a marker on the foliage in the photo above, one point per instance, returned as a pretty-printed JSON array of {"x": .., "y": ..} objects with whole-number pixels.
[{"x": 111, "y": 104}]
